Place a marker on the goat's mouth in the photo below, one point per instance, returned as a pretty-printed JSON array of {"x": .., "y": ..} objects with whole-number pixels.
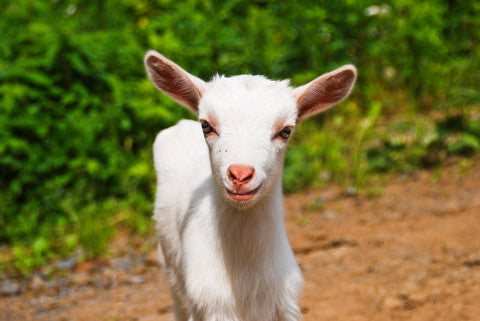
[{"x": 241, "y": 195}]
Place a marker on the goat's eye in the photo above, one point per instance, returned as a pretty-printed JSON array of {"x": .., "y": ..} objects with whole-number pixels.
[
  {"x": 285, "y": 133},
  {"x": 207, "y": 129}
]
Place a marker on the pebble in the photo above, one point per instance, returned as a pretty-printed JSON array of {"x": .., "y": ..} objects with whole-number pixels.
[
  {"x": 119, "y": 263},
  {"x": 124, "y": 297},
  {"x": 81, "y": 279},
  {"x": 141, "y": 259},
  {"x": 409, "y": 288},
  {"x": 67, "y": 264},
  {"x": 100, "y": 285},
  {"x": 10, "y": 287},
  {"x": 38, "y": 283},
  {"x": 351, "y": 191},
  {"x": 420, "y": 279},
  {"x": 42, "y": 312},
  {"x": 402, "y": 177},
  {"x": 137, "y": 279},
  {"x": 392, "y": 303},
  {"x": 330, "y": 214},
  {"x": 46, "y": 300},
  {"x": 61, "y": 282},
  {"x": 63, "y": 292}
]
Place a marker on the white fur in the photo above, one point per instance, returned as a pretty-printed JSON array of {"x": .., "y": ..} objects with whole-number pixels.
[{"x": 226, "y": 259}]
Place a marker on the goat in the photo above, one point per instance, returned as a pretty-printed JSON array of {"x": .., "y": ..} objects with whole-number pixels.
[{"x": 218, "y": 207}]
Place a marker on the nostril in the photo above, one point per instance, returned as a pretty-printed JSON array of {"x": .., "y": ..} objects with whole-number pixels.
[
  {"x": 240, "y": 173},
  {"x": 231, "y": 176}
]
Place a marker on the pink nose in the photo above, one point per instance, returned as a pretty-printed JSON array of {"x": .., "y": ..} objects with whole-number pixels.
[{"x": 240, "y": 174}]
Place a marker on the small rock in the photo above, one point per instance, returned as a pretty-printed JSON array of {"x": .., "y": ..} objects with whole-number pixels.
[
  {"x": 141, "y": 259},
  {"x": 392, "y": 303},
  {"x": 434, "y": 295},
  {"x": 119, "y": 263},
  {"x": 420, "y": 279},
  {"x": 60, "y": 282},
  {"x": 41, "y": 312},
  {"x": 410, "y": 287},
  {"x": 81, "y": 279},
  {"x": 46, "y": 300},
  {"x": 38, "y": 283},
  {"x": 10, "y": 287},
  {"x": 100, "y": 285},
  {"x": 137, "y": 279},
  {"x": 63, "y": 292},
  {"x": 338, "y": 254},
  {"x": 458, "y": 254},
  {"x": 351, "y": 191},
  {"x": 67, "y": 264},
  {"x": 330, "y": 214},
  {"x": 124, "y": 297},
  {"x": 418, "y": 298},
  {"x": 114, "y": 277}
]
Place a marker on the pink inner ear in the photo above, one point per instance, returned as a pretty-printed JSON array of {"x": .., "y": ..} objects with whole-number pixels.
[
  {"x": 325, "y": 92},
  {"x": 173, "y": 82}
]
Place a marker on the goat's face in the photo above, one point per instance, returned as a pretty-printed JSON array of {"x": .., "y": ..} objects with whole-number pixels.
[{"x": 247, "y": 120}]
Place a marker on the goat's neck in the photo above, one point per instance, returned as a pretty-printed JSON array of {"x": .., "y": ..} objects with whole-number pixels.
[{"x": 252, "y": 233}]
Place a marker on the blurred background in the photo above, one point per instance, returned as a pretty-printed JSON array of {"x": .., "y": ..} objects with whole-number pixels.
[{"x": 78, "y": 115}]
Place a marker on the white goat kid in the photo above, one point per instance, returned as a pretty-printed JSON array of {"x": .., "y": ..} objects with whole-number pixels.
[{"x": 218, "y": 207}]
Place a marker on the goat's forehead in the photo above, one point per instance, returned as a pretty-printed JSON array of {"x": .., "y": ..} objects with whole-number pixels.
[{"x": 248, "y": 97}]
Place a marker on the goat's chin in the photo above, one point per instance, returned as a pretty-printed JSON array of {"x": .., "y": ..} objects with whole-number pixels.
[{"x": 243, "y": 205}]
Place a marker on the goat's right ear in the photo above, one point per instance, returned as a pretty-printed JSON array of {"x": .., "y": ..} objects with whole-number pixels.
[
  {"x": 324, "y": 91},
  {"x": 171, "y": 79}
]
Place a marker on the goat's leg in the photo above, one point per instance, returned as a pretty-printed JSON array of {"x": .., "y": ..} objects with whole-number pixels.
[
  {"x": 179, "y": 310},
  {"x": 290, "y": 312}
]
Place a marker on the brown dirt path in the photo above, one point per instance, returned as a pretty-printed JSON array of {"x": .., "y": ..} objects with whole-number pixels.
[{"x": 410, "y": 253}]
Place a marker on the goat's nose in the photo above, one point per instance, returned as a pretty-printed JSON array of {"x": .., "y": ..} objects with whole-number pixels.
[{"x": 240, "y": 174}]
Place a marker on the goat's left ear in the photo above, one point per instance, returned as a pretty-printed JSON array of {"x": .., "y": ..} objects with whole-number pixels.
[{"x": 325, "y": 91}]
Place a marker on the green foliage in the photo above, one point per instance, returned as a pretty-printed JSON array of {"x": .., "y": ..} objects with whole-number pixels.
[
  {"x": 322, "y": 150},
  {"x": 70, "y": 146},
  {"x": 406, "y": 145},
  {"x": 78, "y": 116}
]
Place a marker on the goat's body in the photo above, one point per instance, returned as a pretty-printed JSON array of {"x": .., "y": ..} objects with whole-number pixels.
[
  {"x": 221, "y": 262},
  {"x": 219, "y": 207}
]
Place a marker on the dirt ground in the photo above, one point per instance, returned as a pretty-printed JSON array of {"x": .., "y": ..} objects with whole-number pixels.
[{"x": 407, "y": 250}]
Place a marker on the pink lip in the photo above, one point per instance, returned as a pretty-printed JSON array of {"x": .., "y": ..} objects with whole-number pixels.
[{"x": 243, "y": 196}]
